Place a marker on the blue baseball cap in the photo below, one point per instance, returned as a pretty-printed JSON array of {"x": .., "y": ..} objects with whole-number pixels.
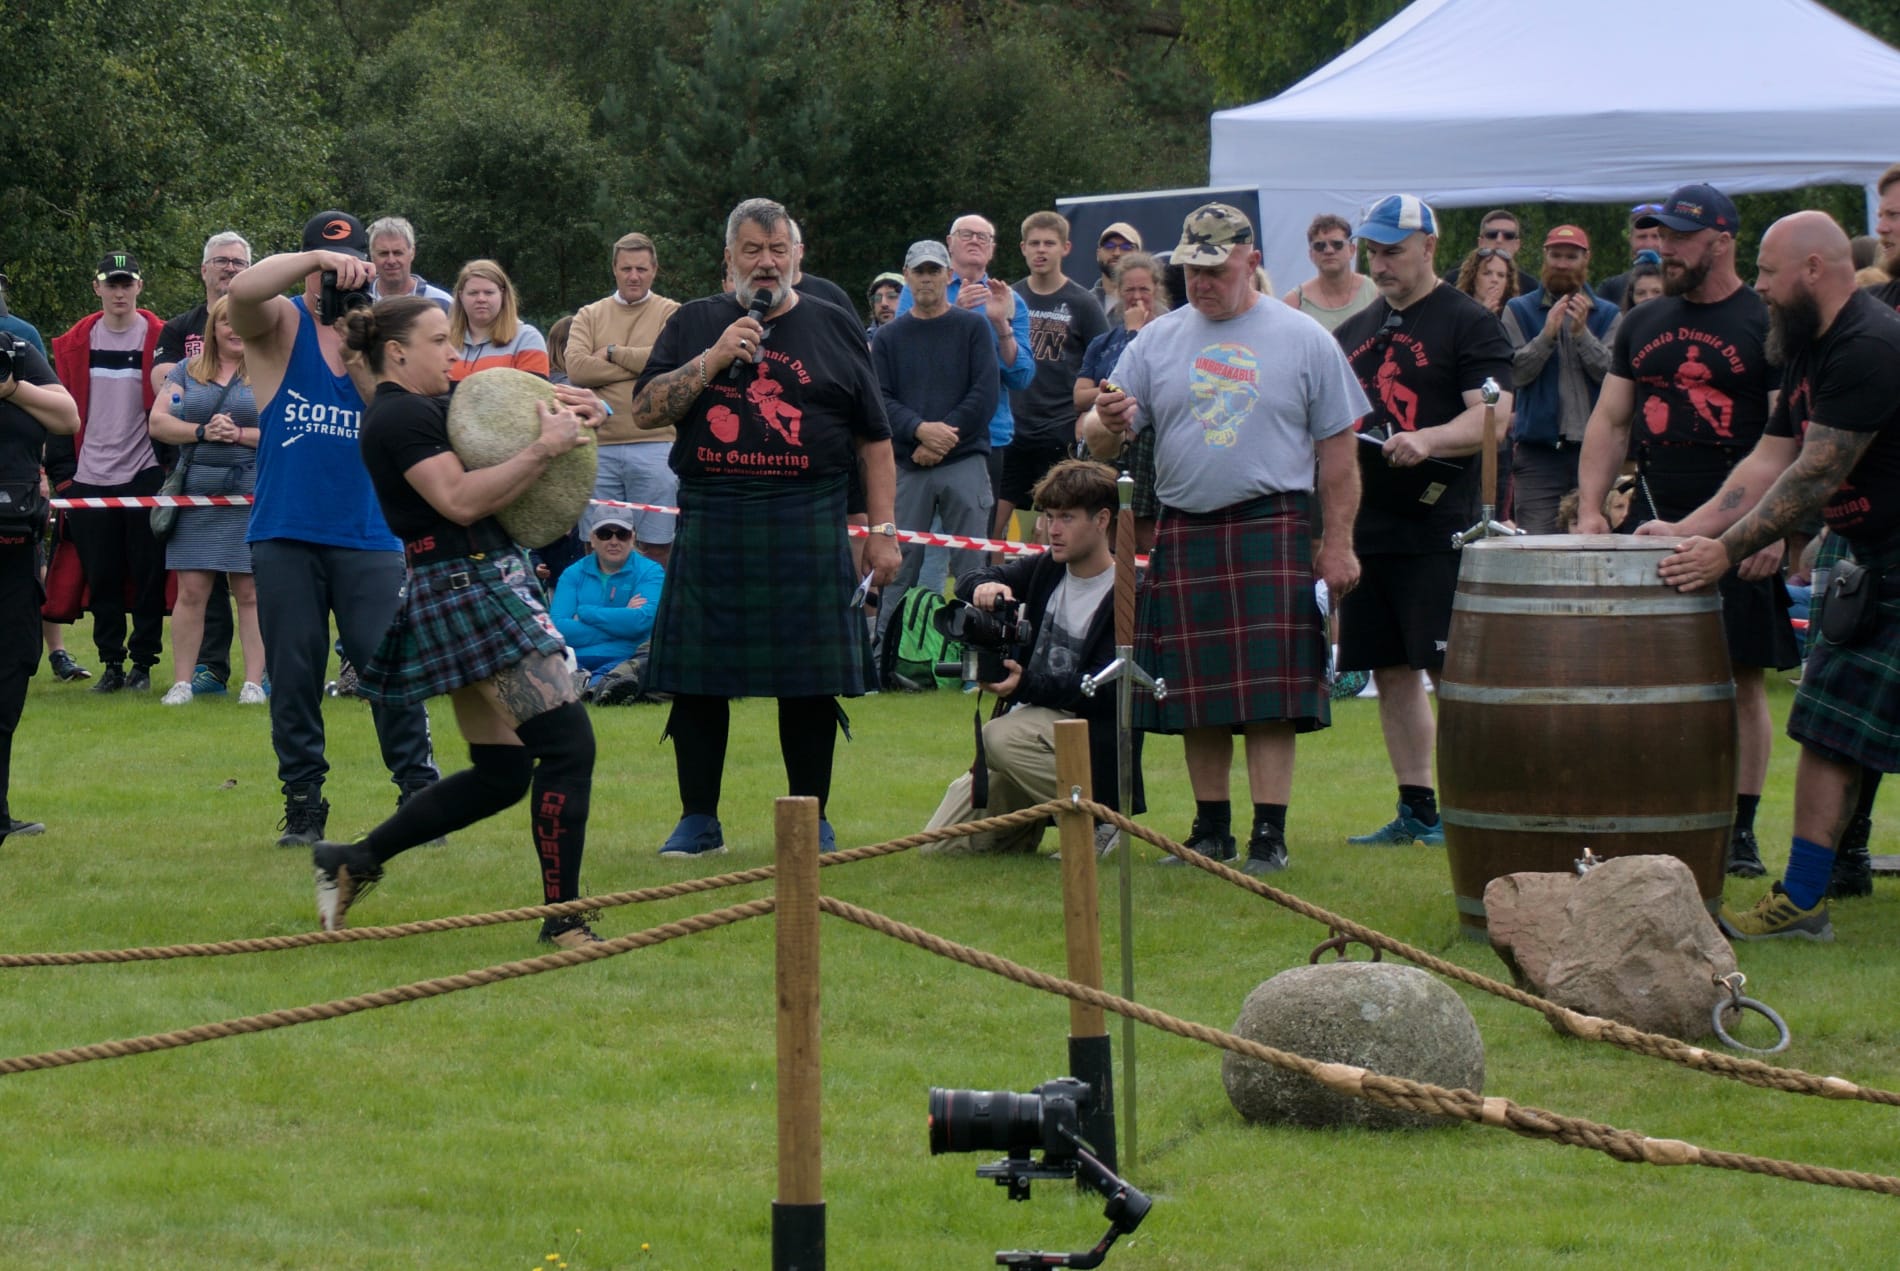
[
  {"x": 1694, "y": 207},
  {"x": 1397, "y": 217}
]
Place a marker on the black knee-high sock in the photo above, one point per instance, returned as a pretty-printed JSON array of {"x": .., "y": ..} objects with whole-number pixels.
[
  {"x": 1869, "y": 787},
  {"x": 698, "y": 727},
  {"x": 495, "y": 783},
  {"x": 1745, "y": 808},
  {"x": 562, "y": 743},
  {"x": 807, "y": 738}
]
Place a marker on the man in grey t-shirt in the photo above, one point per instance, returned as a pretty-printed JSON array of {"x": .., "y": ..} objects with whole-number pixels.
[{"x": 1245, "y": 396}]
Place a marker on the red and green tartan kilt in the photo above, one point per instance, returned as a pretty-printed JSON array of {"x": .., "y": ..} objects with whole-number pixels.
[
  {"x": 1847, "y": 705},
  {"x": 757, "y": 600},
  {"x": 1228, "y": 618},
  {"x": 462, "y": 620}
]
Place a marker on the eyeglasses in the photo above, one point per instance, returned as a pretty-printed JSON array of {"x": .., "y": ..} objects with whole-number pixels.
[
  {"x": 1328, "y": 245},
  {"x": 228, "y": 262},
  {"x": 1118, "y": 245},
  {"x": 1509, "y": 234},
  {"x": 973, "y": 235},
  {"x": 606, "y": 532}
]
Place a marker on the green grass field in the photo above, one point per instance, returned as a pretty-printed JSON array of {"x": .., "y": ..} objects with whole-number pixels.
[{"x": 621, "y": 1115}]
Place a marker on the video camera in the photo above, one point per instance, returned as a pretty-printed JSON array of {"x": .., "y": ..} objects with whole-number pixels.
[
  {"x": 987, "y": 637},
  {"x": 333, "y": 302},
  {"x": 1047, "y": 1118}
]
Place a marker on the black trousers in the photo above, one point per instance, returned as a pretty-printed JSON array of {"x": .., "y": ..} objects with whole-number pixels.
[
  {"x": 20, "y": 597},
  {"x": 299, "y": 586},
  {"x": 121, "y": 558}
]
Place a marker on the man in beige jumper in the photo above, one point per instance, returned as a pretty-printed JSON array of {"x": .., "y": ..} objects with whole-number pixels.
[{"x": 607, "y": 349}]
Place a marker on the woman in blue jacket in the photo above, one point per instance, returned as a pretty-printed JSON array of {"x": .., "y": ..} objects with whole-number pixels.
[{"x": 604, "y": 603}]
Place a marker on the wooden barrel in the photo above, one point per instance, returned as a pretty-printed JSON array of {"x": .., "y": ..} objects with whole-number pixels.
[{"x": 1582, "y": 704}]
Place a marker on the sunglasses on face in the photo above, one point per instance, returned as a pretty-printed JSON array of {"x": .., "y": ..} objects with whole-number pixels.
[
  {"x": 1328, "y": 245},
  {"x": 607, "y": 532},
  {"x": 1117, "y": 245},
  {"x": 1508, "y": 234}
]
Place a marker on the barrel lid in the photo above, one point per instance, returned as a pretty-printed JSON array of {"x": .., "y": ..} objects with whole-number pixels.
[{"x": 1566, "y": 560}]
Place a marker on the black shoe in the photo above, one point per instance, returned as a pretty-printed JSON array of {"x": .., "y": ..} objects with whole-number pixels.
[
  {"x": 344, "y": 872},
  {"x": 403, "y": 796},
  {"x": 1744, "y": 857},
  {"x": 64, "y": 666},
  {"x": 111, "y": 680},
  {"x": 1219, "y": 847},
  {"x": 140, "y": 681},
  {"x": 570, "y": 932},
  {"x": 306, "y": 813},
  {"x": 1266, "y": 852},
  {"x": 17, "y": 828},
  {"x": 1853, "y": 867}
]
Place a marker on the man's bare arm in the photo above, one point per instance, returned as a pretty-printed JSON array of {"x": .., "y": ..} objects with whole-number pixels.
[
  {"x": 1751, "y": 479},
  {"x": 1827, "y": 456},
  {"x": 666, "y": 398}
]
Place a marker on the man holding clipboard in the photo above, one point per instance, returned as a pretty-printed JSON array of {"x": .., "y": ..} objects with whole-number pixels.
[{"x": 1421, "y": 352}]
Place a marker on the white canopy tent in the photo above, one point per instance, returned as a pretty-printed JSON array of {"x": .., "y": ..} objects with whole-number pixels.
[{"x": 1503, "y": 102}]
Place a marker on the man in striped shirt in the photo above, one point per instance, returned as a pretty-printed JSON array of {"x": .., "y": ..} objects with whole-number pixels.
[{"x": 105, "y": 362}]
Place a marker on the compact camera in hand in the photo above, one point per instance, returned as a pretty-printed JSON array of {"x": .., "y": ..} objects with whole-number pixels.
[{"x": 333, "y": 302}]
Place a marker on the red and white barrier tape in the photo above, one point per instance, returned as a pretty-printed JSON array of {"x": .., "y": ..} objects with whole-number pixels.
[{"x": 107, "y": 502}]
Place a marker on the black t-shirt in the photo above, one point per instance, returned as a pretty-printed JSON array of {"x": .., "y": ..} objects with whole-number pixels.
[
  {"x": 22, "y": 437},
  {"x": 183, "y": 338},
  {"x": 1849, "y": 379},
  {"x": 794, "y": 414},
  {"x": 400, "y": 430},
  {"x": 1416, "y": 374},
  {"x": 812, "y": 287},
  {"x": 1887, "y": 293},
  {"x": 1700, "y": 374},
  {"x": 1061, "y": 325}
]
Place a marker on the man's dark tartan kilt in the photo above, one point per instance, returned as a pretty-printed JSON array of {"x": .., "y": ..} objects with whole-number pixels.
[
  {"x": 462, "y": 620},
  {"x": 757, "y": 600},
  {"x": 1228, "y": 618},
  {"x": 1847, "y": 705}
]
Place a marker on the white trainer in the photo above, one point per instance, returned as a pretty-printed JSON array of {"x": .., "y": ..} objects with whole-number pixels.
[
  {"x": 178, "y": 694},
  {"x": 251, "y": 694}
]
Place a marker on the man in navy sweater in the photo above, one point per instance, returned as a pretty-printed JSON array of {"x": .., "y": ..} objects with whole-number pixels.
[{"x": 936, "y": 369}]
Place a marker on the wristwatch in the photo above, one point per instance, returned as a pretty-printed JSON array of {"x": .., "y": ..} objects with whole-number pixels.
[
  {"x": 201, "y": 432},
  {"x": 888, "y": 529}
]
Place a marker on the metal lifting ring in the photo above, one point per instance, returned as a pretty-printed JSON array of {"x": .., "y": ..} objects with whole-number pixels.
[
  {"x": 1337, "y": 943},
  {"x": 1733, "y": 982}
]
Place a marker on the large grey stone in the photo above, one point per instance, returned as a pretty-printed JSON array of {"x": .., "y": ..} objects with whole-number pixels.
[
  {"x": 491, "y": 419},
  {"x": 1394, "y": 1020},
  {"x": 1524, "y": 914}
]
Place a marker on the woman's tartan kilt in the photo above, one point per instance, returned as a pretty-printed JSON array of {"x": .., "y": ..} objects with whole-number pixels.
[{"x": 462, "y": 620}]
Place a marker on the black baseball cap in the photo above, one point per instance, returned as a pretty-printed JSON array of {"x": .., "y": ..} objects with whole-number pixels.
[
  {"x": 118, "y": 265},
  {"x": 336, "y": 231},
  {"x": 1694, "y": 207}
]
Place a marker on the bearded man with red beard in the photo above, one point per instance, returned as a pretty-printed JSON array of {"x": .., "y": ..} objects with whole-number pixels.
[{"x": 1559, "y": 337}]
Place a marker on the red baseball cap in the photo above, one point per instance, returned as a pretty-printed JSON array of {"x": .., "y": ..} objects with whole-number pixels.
[{"x": 1569, "y": 236}]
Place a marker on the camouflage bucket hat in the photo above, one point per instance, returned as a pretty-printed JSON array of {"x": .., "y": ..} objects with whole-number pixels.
[{"x": 1211, "y": 233}]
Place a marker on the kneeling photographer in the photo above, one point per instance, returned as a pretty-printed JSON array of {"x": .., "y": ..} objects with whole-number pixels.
[{"x": 1047, "y": 620}]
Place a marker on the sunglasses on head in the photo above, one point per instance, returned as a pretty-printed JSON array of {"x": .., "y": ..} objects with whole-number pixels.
[
  {"x": 1328, "y": 245},
  {"x": 1490, "y": 253},
  {"x": 606, "y": 532},
  {"x": 1646, "y": 209},
  {"x": 1502, "y": 233}
]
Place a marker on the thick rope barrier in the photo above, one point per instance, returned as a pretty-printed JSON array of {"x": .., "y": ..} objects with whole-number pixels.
[
  {"x": 527, "y": 913},
  {"x": 1589, "y": 1027},
  {"x": 1392, "y": 1092},
  {"x": 414, "y": 992}
]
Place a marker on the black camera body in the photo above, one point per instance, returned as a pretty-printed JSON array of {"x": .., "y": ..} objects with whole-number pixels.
[
  {"x": 333, "y": 302},
  {"x": 987, "y": 637},
  {"x": 11, "y": 347},
  {"x": 1048, "y": 1119}
]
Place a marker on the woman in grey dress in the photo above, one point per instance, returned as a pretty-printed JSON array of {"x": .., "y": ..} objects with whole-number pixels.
[{"x": 208, "y": 410}]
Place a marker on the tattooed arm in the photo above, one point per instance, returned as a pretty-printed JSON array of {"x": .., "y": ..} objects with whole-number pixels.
[
  {"x": 1741, "y": 492},
  {"x": 1827, "y": 456},
  {"x": 666, "y": 398}
]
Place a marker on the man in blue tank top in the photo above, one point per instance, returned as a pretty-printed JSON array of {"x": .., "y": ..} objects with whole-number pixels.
[{"x": 319, "y": 545}]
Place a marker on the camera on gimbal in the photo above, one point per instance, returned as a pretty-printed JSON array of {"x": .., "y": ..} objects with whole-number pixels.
[
  {"x": 1048, "y": 1119},
  {"x": 333, "y": 302},
  {"x": 987, "y": 637}
]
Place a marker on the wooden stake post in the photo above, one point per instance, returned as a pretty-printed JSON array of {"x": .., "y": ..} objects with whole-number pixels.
[
  {"x": 1089, "y": 1049},
  {"x": 798, "y": 1215}
]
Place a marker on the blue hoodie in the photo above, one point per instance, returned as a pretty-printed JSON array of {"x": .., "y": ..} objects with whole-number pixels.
[{"x": 596, "y": 612}]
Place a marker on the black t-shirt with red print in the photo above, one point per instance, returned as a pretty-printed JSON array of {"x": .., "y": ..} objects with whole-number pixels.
[
  {"x": 1416, "y": 364},
  {"x": 1700, "y": 374},
  {"x": 1849, "y": 379},
  {"x": 794, "y": 414}
]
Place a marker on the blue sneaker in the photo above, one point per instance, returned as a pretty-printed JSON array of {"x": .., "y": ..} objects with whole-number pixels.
[
  {"x": 697, "y": 834},
  {"x": 1404, "y": 828},
  {"x": 827, "y": 839},
  {"x": 206, "y": 684},
  {"x": 265, "y": 684}
]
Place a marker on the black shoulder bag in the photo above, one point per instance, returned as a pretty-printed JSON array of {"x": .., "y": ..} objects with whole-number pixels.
[{"x": 1851, "y": 609}]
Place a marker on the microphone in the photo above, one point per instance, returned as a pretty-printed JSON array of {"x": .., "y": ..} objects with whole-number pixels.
[{"x": 762, "y": 302}]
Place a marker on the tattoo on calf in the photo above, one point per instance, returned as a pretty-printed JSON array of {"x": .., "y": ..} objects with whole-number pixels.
[{"x": 534, "y": 686}]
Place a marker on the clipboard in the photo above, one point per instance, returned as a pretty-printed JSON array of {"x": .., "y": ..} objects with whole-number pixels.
[{"x": 1413, "y": 491}]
